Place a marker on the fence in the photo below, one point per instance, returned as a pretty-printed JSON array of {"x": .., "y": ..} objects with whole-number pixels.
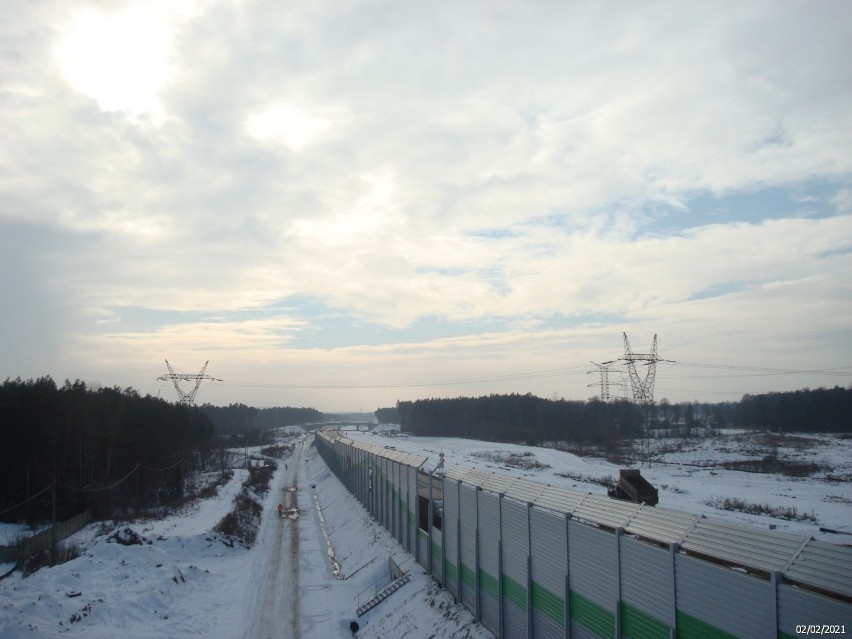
[
  {"x": 45, "y": 539},
  {"x": 530, "y": 560}
]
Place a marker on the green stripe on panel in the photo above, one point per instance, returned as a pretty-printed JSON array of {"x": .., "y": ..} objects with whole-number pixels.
[
  {"x": 550, "y": 604},
  {"x": 488, "y": 584},
  {"x": 591, "y": 615},
  {"x": 468, "y": 576},
  {"x": 689, "y": 627},
  {"x": 515, "y": 592},
  {"x": 636, "y": 624}
]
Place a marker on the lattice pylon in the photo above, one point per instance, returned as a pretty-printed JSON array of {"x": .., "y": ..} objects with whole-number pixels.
[
  {"x": 186, "y": 397},
  {"x": 642, "y": 385},
  {"x": 604, "y": 384}
]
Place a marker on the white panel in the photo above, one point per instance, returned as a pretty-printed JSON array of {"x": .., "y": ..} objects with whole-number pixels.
[
  {"x": 549, "y": 567},
  {"x": 451, "y": 532},
  {"x": 646, "y": 579},
  {"x": 514, "y": 518},
  {"x": 437, "y": 555},
  {"x": 579, "y": 631},
  {"x": 403, "y": 514},
  {"x": 514, "y": 620},
  {"x": 489, "y": 559},
  {"x": 593, "y": 564},
  {"x": 412, "y": 505},
  {"x": 468, "y": 561},
  {"x": 423, "y": 548},
  {"x": 726, "y": 599},
  {"x": 797, "y": 607},
  {"x": 516, "y": 539}
]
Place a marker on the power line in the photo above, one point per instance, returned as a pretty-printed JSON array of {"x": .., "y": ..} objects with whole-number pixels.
[
  {"x": 761, "y": 371},
  {"x": 556, "y": 372},
  {"x": 737, "y": 371}
]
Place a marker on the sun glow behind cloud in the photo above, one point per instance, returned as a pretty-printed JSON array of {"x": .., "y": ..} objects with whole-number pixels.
[
  {"x": 120, "y": 56},
  {"x": 350, "y": 185}
]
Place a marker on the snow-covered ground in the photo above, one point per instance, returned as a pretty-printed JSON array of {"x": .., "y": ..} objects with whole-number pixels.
[
  {"x": 690, "y": 480},
  {"x": 187, "y": 581}
]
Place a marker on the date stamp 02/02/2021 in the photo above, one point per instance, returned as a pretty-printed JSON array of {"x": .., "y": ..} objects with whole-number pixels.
[{"x": 821, "y": 629}]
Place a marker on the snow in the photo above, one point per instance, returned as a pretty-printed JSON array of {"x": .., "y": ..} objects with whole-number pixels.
[
  {"x": 687, "y": 480},
  {"x": 185, "y": 580}
]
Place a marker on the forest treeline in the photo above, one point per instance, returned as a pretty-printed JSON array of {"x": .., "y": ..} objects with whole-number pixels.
[
  {"x": 519, "y": 418},
  {"x": 85, "y": 440},
  {"x": 818, "y": 410},
  {"x": 239, "y": 419},
  {"x": 531, "y": 419}
]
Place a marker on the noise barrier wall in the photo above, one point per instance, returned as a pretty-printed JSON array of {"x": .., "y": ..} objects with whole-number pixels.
[{"x": 529, "y": 560}]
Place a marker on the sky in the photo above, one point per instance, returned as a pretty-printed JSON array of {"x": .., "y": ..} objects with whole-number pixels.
[{"x": 346, "y": 204}]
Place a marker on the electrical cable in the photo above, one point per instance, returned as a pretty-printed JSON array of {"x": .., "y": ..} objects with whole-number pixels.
[{"x": 744, "y": 371}]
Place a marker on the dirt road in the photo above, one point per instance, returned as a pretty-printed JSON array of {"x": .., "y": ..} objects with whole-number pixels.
[{"x": 274, "y": 609}]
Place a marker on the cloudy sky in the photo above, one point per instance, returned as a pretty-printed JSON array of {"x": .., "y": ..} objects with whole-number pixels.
[{"x": 341, "y": 204}]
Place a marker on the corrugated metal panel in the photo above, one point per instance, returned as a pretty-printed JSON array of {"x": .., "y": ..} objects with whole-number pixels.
[
  {"x": 525, "y": 490},
  {"x": 409, "y": 459},
  {"x": 404, "y": 506},
  {"x": 396, "y": 499},
  {"x": 437, "y": 554},
  {"x": 660, "y": 524},
  {"x": 489, "y": 559},
  {"x": 548, "y": 572},
  {"x": 515, "y": 534},
  {"x": 381, "y": 485},
  {"x": 451, "y": 536},
  {"x": 476, "y": 477},
  {"x": 544, "y": 627},
  {"x": 491, "y": 482},
  {"x": 605, "y": 511},
  {"x": 412, "y": 504},
  {"x": 709, "y": 596},
  {"x": 823, "y": 565},
  {"x": 581, "y": 632},
  {"x": 560, "y": 500},
  {"x": 722, "y": 598},
  {"x": 593, "y": 564},
  {"x": 423, "y": 548},
  {"x": 516, "y": 539},
  {"x": 548, "y": 567},
  {"x": 797, "y": 607},
  {"x": 458, "y": 472},
  {"x": 746, "y": 546},
  {"x": 389, "y": 495},
  {"x": 647, "y": 580},
  {"x": 468, "y": 561}
]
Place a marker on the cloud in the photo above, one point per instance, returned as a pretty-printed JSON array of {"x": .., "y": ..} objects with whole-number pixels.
[{"x": 479, "y": 166}]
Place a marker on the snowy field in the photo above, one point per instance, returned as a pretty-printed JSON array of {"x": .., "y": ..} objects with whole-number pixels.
[
  {"x": 185, "y": 581},
  {"x": 691, "y": 479}
]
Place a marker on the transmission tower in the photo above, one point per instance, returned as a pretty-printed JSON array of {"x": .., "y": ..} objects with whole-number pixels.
[
  {"x": 643, "y": 385},
  {"x": 185, "y": 397},
  {"x": 603, "y": 369}
]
